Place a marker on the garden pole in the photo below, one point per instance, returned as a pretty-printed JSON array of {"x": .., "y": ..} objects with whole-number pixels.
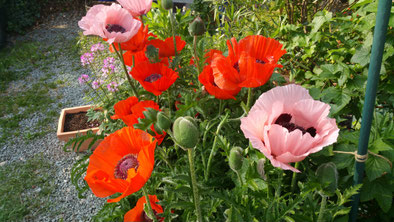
[{"x": 379, "y": 38}]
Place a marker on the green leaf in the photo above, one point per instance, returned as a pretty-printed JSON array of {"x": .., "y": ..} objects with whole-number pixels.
[
  {"x": 337, "y": 98},
  {"x": 344, "y": 160},
  {"x": 380, "y": 145},
  {"x": 380, "y": 190},
  {"x": 384, "y": 198},
  {"x": 361, "y": 56},
  {"x": 233, "y": 215},
  {"x": 375, "y": 167}
]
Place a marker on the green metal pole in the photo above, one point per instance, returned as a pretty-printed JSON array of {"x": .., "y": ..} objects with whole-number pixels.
[{"x": 382, "y": 19}]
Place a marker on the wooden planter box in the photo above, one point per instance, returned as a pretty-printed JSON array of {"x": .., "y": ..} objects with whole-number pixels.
[{"x": 65, "y": 136}]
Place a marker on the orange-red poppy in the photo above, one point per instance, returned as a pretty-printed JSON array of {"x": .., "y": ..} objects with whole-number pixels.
[
  {"x": 122, "y": 163},
  {"x": 249, "y": 63},
  {"x": 137, "y": 214},
  {"x": 130, "y": 110},
  {"x": 155, "y": 78},
  {"x": 137, "y": 42},
  {"x": 166, "y": 47},
  {"x": 207, "y": 79},
  {"x": 138, "y": 57}
]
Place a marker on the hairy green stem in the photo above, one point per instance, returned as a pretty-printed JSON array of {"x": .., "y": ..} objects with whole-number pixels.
[
  {"x": 173, "y": 29},
  {"x": 196, "y": 59},
  {"x": 322, "y": 208},
  {"x": 120, "y": 55},
  {"x": 169, "y": 102},
  {"x": 194, "y": 184},
  {"x": 240, "y": 179},
  {"x": 151, "y": 213},
  {"x": 294, "y": 179},
  {"x": 213, "y": 150},
  {"x": 250, "y": 96}
]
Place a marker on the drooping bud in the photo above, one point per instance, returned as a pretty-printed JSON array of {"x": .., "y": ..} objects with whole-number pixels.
[
  {"x": 327, "y": 174},
  {"x": 167, "y": 4},
  {"x": 260, "y": 168},
  {"x": 152, "y": 53},
  {"x": 197, "y": 27},
  {"x": 163, "y": 121},
  {"x": 235, "y": 158},
  {"x": 186, "y": 132}
]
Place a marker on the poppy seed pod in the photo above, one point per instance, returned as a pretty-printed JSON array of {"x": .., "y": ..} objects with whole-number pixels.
[
  {"x": 163, "y": 121},
  {"x": 167, "y": 4},
  {"x": 186, "y": 132},
  {"x": 235, "y": 158},
  {"x": 327, "y": 174},
  {"x": 197, "y": 27}
]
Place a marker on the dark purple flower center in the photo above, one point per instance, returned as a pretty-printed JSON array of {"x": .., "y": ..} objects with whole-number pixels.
[
  {"x": 284, "y": 121},
  {"x": 145, "y": 217},
  {"x": 124, "y": 164},
  {"x": 260, "y": 61},
  {"x": 152, "y": 78},
  {"x": 236, "y": 66},
  {"x": 115, "y": 28}
]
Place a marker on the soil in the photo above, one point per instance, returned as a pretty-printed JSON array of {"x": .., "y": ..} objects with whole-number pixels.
[{"x": 78, "y": 121}]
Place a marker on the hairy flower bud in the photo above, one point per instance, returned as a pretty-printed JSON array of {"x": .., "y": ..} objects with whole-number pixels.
[
  {"x": 327, "y": 174},
  {"x": 235, "y": 158},
  {"x": 163, "y": 121},
  {"x": 167, "y": 4},
  {"x": 197, "y": 27},
  {"x": 186, "y": 132}
]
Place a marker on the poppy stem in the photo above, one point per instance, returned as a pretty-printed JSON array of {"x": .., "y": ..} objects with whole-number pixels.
[
  {"x": 239, "y": 178},
  {"x": 322, "y": 208},
  {"x": 294, "y": 179},
  {"x": 169, "y": 102},
  {"x": 213, "y": 150},
  {"x": 151, "y": 213},
  {"x": 196, "y": 58},
  {"x": 250, "y": 96},
  {"x": 173, "y": 29},
  {"x": 194, "y": 184},
  {"x": 120, "y": 55}
]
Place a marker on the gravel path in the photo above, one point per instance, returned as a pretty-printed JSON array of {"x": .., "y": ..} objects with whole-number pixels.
[{"x": 65, "y": 204}]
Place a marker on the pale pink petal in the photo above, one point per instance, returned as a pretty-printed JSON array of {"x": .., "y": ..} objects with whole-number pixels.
[
  {"x": 288, "y": 95},
  {"x": 253, "y": 124},
  {"x": 308, "y": 112},
  {"x": 136, "y": 7}
]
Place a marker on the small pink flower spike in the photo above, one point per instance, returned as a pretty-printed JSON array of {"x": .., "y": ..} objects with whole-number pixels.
[
  {"x": 113, "y": 23},
  {"x": 287, "y": 125},
  {"x": 136, "y": 7}
]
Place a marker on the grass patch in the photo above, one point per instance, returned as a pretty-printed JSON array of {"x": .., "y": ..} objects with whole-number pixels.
[
  {"x": 18, "y": 56},
  {"x": 25, "y": 188}
]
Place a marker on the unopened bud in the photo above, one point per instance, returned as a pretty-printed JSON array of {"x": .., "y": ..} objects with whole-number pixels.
[
  {"x": 197, "y": 27},
  {"x": 167, "y": 4},
  {"x": 186, "y": 132},
  {"x": 152, "y": 53},
  {"x": 260, "y": 168},
  {"x": 327, "y": 174},
  {"x": 163, "y": 121},
  {"x": 235, "y": 158}
]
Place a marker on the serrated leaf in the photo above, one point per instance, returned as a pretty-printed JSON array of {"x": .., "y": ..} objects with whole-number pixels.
[
  {"x": 380, "y": 145},
  {"x": 361, "y": 56},
  {"x": 344, "y": 160},
  {"x": 375, "y": 167},
  {"x": 233, "y": 215}
]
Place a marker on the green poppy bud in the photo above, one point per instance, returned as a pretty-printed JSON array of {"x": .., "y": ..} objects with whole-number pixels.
[
  {"x": 327, "y": 174},
  {"x": 163, "y": 121},
  {"x": 197, "y": 27},
  {"x": 186, "y": 132},
  {"x": 167, "y": 4},
  {"x": 235, "y": 158},
  {"x": 152, "y": 53}
]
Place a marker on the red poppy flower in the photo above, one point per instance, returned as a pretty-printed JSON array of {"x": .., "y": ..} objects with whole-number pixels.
[
  {"x": 130, "y": 110},
  {"x": 122, "y": 163},
  {"x": 166, "y": 47},
  {"x": 137, "y": 214},
  {"x": 207, "y": 79},
  {"x": 249, "y": 63},
  {"x": 136, "y": 43},
  {"x": 155, "y": 78},
  {"x": 138, "y": 57}
]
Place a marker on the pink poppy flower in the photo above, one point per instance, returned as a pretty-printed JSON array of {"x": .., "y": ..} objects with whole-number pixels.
[
  {"x": 136, "y": 7},
  {"x": 287, "y": 125},
  {"x": 113, "y": 23}
]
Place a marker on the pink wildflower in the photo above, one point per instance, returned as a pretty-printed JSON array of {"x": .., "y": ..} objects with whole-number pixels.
[
  {"x": 97, "y": 47},
  {"x": 83, "y": 79},
  {"x": 112, "y": 87},
  {"x": 287, "y": 125},
  {"x": 113, "y": 23},
  {"x": 136, "y": 7},
  {"x": 87, "y": 58},
  {"x": 97, "y": 83}
]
